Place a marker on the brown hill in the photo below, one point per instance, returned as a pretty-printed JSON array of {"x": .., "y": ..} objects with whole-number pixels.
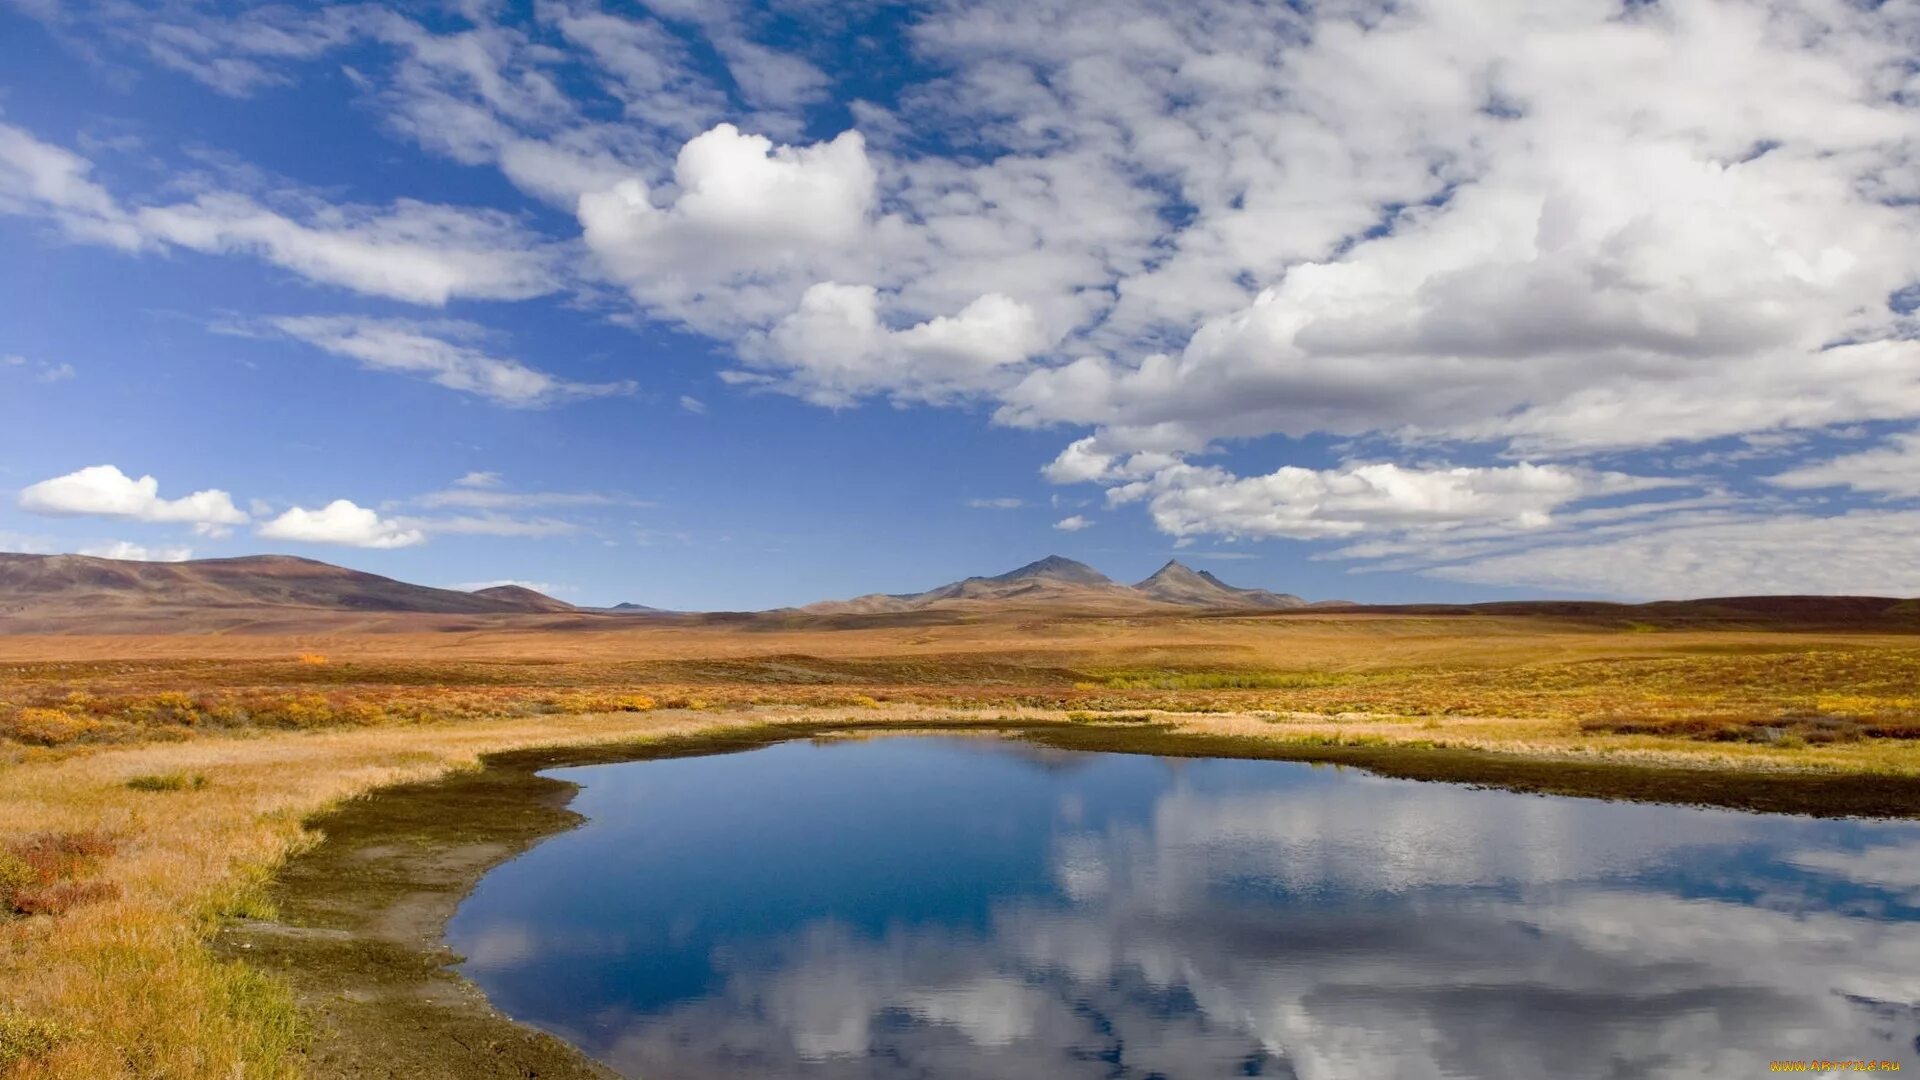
[
  {"x": 40, "y": 585},
  {"x": 521, "y": 598}
]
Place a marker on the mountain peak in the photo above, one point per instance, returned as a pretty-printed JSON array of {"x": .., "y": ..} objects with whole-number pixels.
[
  {"x": 1056, "y": 568},
  {"x": 1174, "y": 568}
]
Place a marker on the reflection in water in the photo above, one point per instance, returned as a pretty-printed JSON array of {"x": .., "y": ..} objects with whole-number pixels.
[{"x": 954, "y": 908}]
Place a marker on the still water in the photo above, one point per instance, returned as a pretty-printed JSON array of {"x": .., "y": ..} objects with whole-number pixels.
[{"x": 952, "y": 907}]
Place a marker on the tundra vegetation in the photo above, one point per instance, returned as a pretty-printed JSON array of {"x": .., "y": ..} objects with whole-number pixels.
[{"x": 150, "y": 787}]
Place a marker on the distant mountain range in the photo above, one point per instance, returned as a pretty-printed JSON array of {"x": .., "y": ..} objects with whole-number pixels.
[
  {"x": 74, "y": 594},
  {"x": 69, "y": 588},
  {"x": 1060, "y": 582}
]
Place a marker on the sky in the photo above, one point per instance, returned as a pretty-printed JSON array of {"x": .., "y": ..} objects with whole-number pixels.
[{"x": 711, "y": 304}]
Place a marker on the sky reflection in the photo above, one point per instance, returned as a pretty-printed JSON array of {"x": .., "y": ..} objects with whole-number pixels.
[{"x": 959, "y": 908}]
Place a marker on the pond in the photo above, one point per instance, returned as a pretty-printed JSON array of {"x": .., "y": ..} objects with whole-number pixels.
[{"x": 940, "y": 907}]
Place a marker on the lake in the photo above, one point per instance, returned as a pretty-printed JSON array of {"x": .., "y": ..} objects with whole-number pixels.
[{"x": 938, "y": 907}]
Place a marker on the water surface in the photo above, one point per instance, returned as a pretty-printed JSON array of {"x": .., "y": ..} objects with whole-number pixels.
[{"x": 961, "y": 907}]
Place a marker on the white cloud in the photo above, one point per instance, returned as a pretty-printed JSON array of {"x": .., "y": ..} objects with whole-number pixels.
[
  {"x": 105, "y": 491},
  {"x": 693, "y": 405},
  {"x": 40, "y": 178},
  {"x": 742, "y": 203},
  {"x": 340, "y": 522},
  {"x": 438, "y": 352},
  {"x": 488, "y": 525},
  {"x": 1188, "y": 500},
  {"x": 42, "y": 371},
  {"x": 837, "y": 347},
  {"x": 414, "y": 251},
  {"x": 1074, "y": 523},
  {"x": 996, "y": 504},
  {"x": 491, "y": 497},
  {"x": 122, "y": 549},
  {"x": 1864, "y": 552},
  {"x": 1890, "y": 469},
  {"x": 480, "y": 480}
]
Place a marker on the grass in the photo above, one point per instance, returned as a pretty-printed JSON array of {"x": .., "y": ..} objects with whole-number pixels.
[
  {"x": 150, "y": 788},
  {"x": 173, "y": 781}
]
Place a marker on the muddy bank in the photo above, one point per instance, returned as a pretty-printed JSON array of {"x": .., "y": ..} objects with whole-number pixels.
[
  {"x": 360, "y": 918},
  {"x": 361, "y": 915},
  {"x": 1814, "y": 794}
]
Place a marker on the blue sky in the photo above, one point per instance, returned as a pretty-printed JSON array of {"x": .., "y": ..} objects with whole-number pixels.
[{"x": 730, "y": 305}]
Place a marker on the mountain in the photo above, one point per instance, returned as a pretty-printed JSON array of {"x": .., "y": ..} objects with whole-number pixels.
[
  {"x": 1061, "y": 582},
  {"x": 81, "y": 585},
  {"x": 637, "y": 609},
  {"x": 521, "y": 598},
  {"x": 1178, "y": 583}
]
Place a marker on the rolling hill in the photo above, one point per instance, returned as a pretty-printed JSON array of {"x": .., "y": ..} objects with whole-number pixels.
[
  {"x": 521, "y": 598},
  {"x": 39, "y": 587}
]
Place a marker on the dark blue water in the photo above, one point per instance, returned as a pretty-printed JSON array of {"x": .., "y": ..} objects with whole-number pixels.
[{"x": 949, "y": 907}]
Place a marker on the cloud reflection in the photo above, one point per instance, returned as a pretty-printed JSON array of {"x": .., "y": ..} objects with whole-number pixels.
[{"x": 1357, "y": 928}]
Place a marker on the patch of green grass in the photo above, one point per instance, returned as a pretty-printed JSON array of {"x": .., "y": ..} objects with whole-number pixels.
[
  {"x": 173, "y": 781},
  {"x": 25, "y": 1037},
  {"x": 1110, "y": 718}
]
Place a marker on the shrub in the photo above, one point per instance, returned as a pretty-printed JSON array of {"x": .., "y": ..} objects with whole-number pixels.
[
  {"x": 62, "y": 896},
  {"x": 24, "y": 1037},
  {"x": 15, "y": 875},
  {"x": 313, "y": 659},
  {"x": 46, "y": 727},
  {"x": 36, "y": 872},
  {"x": 168, "y": 782},
  {"x": 52, "y": 856}
]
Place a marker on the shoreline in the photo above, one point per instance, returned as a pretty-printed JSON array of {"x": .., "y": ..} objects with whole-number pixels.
[
  {"x": 361, "y": 919},
  {"x": 365, "y": 840}
]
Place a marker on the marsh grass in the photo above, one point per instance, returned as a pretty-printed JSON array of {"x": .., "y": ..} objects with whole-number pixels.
[{"x": 173, "y": 781}]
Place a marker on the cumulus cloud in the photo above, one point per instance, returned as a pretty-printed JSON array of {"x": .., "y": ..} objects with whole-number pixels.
[
  {"x": 105, "y": 491},
  {"x": 1074, "y": 523},
  {"x": 740, "y": 206},
  {"x": 1004, "y": 503},
  {"x": 131, "y": 552},
  {"x": 837, "y": 347},
  {"x": 441, "y": 353},
  {"x": 340, "y": 522}
]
